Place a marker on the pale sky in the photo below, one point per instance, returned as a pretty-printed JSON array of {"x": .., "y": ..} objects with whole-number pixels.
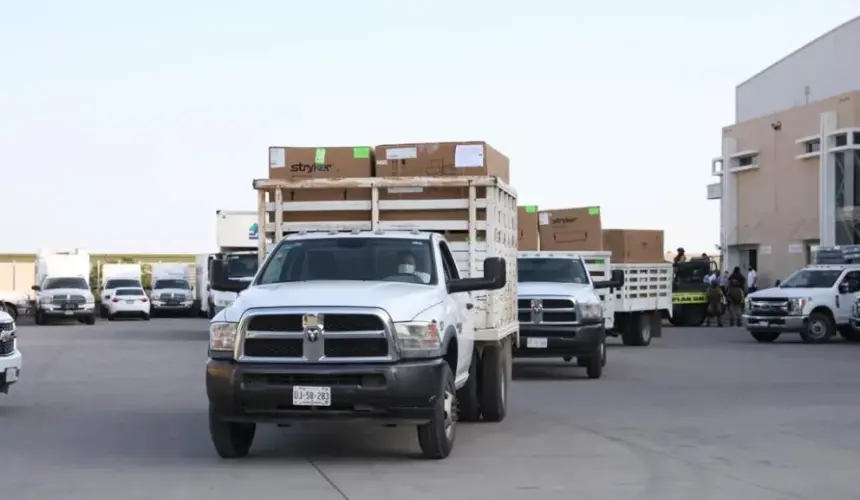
[{"x": 124, "y": 125}]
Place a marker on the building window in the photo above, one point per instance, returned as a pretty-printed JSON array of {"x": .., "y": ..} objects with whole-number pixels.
[
  {"x": 840, "y": 140},
  {"x": 856, "y": 138},
  {"x": 813, "y": 146},
  {"x": 746, "y": 161}
]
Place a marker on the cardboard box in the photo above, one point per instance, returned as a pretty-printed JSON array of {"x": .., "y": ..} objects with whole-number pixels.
[
  {"x": 577, "y": 229},
  {"x": 527, "y": 228},
  {"x": 464, "y": 158},
  {"x": 304, "y": 163},
  {"x": 634, "y": 246}
]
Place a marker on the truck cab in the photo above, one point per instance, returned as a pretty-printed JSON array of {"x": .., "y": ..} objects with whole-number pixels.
[
  {"x": 64, "y": 297},
  {"x": 815, "y": 302},
  {"x": 560, "y": 312},
  {"x": 172, "y": 289}
]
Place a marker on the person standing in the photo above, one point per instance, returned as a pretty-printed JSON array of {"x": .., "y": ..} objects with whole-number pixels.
[
  {"x": 715, "y": 304},
  {"x": 724, "y": 282},
  {"x": 752, "y": 280},
  {"x": 735, "y": 297}
]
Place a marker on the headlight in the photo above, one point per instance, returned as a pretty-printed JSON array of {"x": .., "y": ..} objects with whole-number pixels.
[
  {"x": 590, "y": 311},
  {"x": 418, "y": 338},
  {"x": 222, "y": 336},
  {"x": 45, "y": 299},
  {"x": 796, "y": 305},
  {"x": 222, "y": 302},
  {"x": 854, "y": 309},
  {"x": 747, "y": 303}
]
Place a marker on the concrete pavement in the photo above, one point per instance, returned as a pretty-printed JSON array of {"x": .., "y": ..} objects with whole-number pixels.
[{"x": 118, "y": 410}]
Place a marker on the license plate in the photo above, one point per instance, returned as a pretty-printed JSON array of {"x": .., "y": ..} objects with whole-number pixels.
[
  {"x": 11, "y": 375},
  {"x": 68, "y": 313},
  {"x": 172, "y": 303},
  {"x": 70, "y": 307},
  {"x": 311, "y": 396},
  {"x": 536, "y": 343},
  {"x": 129, "y": 302}
]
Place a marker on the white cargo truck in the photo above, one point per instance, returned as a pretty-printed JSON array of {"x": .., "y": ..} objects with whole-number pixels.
[
  {"x": 570, "y": 301},
  {"x": 404, "y": 312},
  {"x": 63, "y": 289},
  {"x": 237, "y": 235},
  {"x": 172, "y": 289}
]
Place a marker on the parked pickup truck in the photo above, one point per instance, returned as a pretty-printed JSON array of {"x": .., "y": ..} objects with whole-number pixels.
[
  {"x": 365, "y": 316},
  {"x": 570, "y": 301},
  {"x": 815, "y": 302},
  {"x": 10, "y": 357}
]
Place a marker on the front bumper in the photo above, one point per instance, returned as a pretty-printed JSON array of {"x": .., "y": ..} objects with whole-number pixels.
[
  {"x": 57, "y": 312},
  {"x": 263, "y": 392},
  {"x": 775, "y": 323},
  {"x": 855, "y": 323},
  {"x": 161, "y": 305},
  {"x": 10, "y": 370},
  {"x": 560, "y": 340}
]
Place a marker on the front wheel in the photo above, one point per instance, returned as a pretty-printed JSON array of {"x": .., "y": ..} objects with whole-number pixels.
[
  {"x": 848, "y": 333},
  {"x": 436, "y": 437},
  {"x": 231, "y": 440},
  {"x": 637, "y": 331},
  {"x": 765, "y": 337},
  {"x": 595, "y": 364},
  {"x": 468, "y": 397},
  {"x": 819, "y": 329}
]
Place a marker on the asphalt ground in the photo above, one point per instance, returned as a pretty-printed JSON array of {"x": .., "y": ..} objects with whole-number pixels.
[{"x": 118, "y": 411}]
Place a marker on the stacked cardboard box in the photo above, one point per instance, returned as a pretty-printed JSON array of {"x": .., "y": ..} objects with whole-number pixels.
[
  {"x": 527, "y": 226},
  {"x": 574, "y": 229},
  {"x": 304, "y": 163},
  {"x": 634, "y": 246}
]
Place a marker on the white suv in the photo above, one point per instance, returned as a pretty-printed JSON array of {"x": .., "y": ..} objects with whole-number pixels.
[{"x": 10, "y": 357}]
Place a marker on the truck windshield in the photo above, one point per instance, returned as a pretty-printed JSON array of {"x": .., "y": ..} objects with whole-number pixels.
[
  {"x": 551, "y": 270},
  {"x": 351, "y": 259},
  {"x": 178, "y": 284},
  {"x": 812, "y": 278},
  {"x": 122, "y": 283},
  {"x": 241, "y": 265},
  {"x": 57, "y": 283}
]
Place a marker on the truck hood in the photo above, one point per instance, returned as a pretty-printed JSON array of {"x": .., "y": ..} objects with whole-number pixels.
[
  {"x": 403, "y": 301},
  {"x": 548, "y": 289},
  {"x": 788, "y": 293}
]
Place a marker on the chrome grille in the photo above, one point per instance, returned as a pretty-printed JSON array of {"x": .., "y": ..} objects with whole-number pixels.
[
  {"x": 336, "y": 335},
  {"x": 539, "y": 310},
  {"x": 7, "y": 340},
  {"x": 172, "y": 296},
  {"x": 69, "y": 299},
  {"x": 769, "y": 307}
]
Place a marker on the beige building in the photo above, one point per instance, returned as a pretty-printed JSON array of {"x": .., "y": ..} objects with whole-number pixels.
[{"x": 789, "y": 172}]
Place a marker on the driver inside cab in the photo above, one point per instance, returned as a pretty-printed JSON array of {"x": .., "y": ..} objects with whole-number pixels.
[{"x": 408, "y": 265}]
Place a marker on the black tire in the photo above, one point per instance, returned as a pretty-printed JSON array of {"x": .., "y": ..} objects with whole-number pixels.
[
  {"x": 638, "y": 330},
  {"x": 111, "y": 317},
  {"x": 594, "y": 368},
  {"x": 146, "y": 317},
  {"x": 656, "y": 324},
  {"x": 436, "y": 437},
  {"x": 819, "y": 329},
  {"x": 468, "y": 399},
  {"x": 848, "y": 333},
  {"x": 40, "y": 319},
  {"x": 696, "y": 315},
  {"x": 91, "y": 320},
  {"x": 153, "y": 313},
  {"x": 676, "y": 320},
  {"x": 765, "y": 337},
  {"x": 231, "y": 440},
  {"x": 103, "y": 312},
  {"x": 567, "y": 359},
  {"x": 494, "y": 380}
]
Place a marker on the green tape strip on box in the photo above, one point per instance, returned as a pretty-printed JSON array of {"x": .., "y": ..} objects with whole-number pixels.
[
  {"x": 594, "y": 211},
  {"x": 361, "y": 153},
  {"x": 319, "y": 156},
  {"x": 530, "y": 209}
]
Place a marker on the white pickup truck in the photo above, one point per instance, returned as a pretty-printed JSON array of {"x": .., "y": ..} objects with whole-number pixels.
[
  {"x": 816, "y": 302},
  {"x": 371, "y": 316},
  {"x": 10, "y": 357},
  {"x": 569, "y": 301}
]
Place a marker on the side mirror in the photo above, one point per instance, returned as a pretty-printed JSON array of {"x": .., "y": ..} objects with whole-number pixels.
[
  {"x": 219, "y": 281},
  {"x": 495, "y": 277},
  {"x": 36, "y": 288},
  {"x": 845, "y": 287},
  {"x": 616, "y": 280}
]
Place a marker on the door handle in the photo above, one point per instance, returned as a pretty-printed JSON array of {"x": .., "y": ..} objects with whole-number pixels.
[{"x": 470, "y": 306}]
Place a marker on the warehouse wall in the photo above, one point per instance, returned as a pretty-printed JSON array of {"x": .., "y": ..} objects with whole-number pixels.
[
  {"x": 826, "y": 67},
  {"x": 777, "y": 203}
]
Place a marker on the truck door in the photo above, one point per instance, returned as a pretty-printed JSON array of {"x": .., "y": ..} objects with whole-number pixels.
[
  {"x": 848, "y": 286},
  {"x": 462, "y": 307}
]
